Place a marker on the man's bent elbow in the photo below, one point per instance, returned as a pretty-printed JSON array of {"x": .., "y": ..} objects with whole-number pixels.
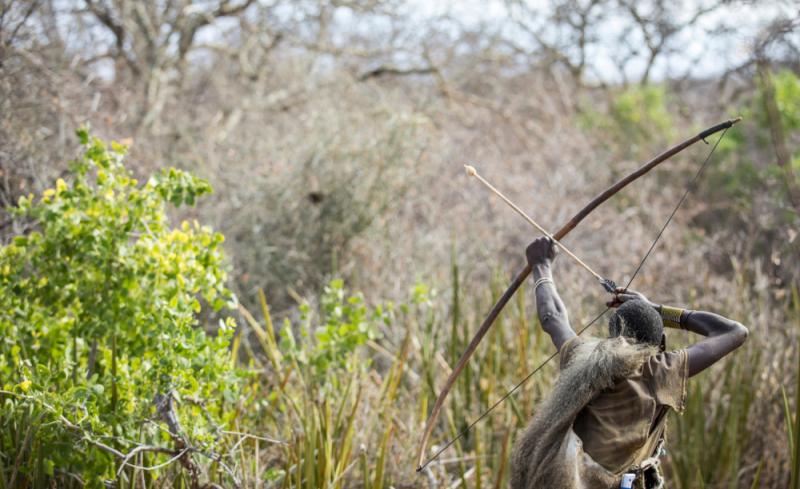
[
  {"x": 740, "y": 333},
  {"x": 553, "y": 321}
]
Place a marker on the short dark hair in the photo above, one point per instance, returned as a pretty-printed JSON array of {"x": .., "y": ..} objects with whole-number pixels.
[{"x": 638, "y": 321}]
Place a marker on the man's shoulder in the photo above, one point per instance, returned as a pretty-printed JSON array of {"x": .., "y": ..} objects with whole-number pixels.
[
  {"x": 667, "y": 374},
  {"x": 674, "y": 360},
  {"x": 567, "y": 349}
]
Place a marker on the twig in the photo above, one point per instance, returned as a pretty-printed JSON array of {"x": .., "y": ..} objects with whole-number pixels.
[
  {"x": 76, "y": 477},
  {"x": 255, "y": 437},
  {"x": 344, "y": 472},
  {"x": 431, "y": 478},
  {"x": 458, "y": 460},
  {"x": 383, "y": 351},
  {"x": 385, "y": 70},
  {"x": 463, "y": 479},
  {"x": 165, "y": 409},
  {"x": 148, "y": 448},
  {"x": 218, "y": 459},
  {"x": 102, "y": 446}
]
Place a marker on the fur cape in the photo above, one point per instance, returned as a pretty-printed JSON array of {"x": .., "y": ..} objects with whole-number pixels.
[{"x": 549, "y": 454}]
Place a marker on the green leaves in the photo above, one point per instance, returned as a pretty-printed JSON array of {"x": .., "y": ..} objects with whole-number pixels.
[
  {"x": 101, "y": 301},
  {"x": 787, "y": 98},
  {"x": 179, "y": 187},
  {"x": 330, "y": 342},
  {"x": 83, "y": 135},
  {"x": 634, "y": 117}
]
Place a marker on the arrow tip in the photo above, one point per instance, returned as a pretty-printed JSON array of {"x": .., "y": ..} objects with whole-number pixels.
[{"x": 471, "y": 171}]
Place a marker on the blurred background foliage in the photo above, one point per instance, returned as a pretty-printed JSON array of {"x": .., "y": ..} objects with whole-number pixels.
[{"x": 333, "y": 135}]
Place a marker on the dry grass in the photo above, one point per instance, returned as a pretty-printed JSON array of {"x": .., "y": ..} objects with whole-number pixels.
[{"x": 731, "y": 435}]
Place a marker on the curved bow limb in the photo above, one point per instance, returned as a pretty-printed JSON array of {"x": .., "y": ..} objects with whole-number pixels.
[{"x": 523, "y": 274}]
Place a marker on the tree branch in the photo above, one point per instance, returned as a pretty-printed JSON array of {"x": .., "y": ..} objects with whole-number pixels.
[{"x": 386, "y": 70}]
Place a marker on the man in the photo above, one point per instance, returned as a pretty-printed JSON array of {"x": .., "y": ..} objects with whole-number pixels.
[{"x": 605, "y": 418}]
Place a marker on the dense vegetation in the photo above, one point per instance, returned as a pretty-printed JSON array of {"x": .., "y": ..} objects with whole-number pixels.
[
  {"x": 99, "y": 311},
  {"x": 358, "y": 260}
]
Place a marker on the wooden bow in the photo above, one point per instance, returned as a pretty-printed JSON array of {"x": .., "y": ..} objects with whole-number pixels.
[{"x": 523, "y": 274}]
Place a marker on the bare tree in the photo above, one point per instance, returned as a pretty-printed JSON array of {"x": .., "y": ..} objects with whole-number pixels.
[
  {"x": 657, "y": 25},
  {"x": 561, "y": 36},
  {"x": 153, "y": 39},
  {"x": 570, "y": 33}
]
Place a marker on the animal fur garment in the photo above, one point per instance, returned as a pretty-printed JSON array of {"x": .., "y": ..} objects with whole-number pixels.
[{"x": 549, "y": 454}]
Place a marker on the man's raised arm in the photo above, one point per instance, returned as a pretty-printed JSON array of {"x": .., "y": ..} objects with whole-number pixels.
[
  {"x": 723, "y": 335},
  {"x": 551, "y": 310}
]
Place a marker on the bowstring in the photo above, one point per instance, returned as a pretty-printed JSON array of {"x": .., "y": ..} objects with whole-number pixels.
[
  {"x": 691, "y": 186},
  {"x": 506, "y": 396}
]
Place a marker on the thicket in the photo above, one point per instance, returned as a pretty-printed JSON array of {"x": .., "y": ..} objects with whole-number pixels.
[
  {"x": 104, "y": 364},
  {"x": 112, "y": 379}
]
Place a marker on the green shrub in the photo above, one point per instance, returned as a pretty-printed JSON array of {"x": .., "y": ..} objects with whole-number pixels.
[
  {"x": 344, "y": 324},
  {"x": 739, "y": 177},
  {"x": 641, "y": 112},
  {"x": 98, "y": 309},
  {"x": 636, "y": 118},
  {"x": 787, "y": 98},
  {"x": 322, "y": 396}
]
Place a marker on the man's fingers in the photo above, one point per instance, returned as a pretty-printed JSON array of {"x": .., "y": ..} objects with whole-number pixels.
[{"x": 620, "y": 298}]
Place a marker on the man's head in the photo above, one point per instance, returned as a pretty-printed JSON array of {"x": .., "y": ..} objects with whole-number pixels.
[{"x": 638, "y": 321}]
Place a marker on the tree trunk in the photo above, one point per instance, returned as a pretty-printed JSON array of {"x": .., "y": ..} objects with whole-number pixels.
[{"x": 782, "y": 155}]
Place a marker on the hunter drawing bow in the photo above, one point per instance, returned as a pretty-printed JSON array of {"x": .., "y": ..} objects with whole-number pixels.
[{"x": 523, "y": 274}]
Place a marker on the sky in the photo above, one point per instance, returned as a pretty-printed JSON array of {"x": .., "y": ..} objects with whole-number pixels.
[{"x": 701, "y": 53}]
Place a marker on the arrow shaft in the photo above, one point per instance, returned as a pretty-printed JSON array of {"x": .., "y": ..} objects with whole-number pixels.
[{"x": 522, "y": 213}]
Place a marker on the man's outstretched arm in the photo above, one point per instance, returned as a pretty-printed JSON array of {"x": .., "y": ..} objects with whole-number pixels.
[
  {"x": 551, "y": 310},
  {"x": 723, "y": 335}
]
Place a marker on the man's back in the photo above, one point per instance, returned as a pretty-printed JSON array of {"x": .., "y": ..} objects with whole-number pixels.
[{"x": 618, "y": 427}]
